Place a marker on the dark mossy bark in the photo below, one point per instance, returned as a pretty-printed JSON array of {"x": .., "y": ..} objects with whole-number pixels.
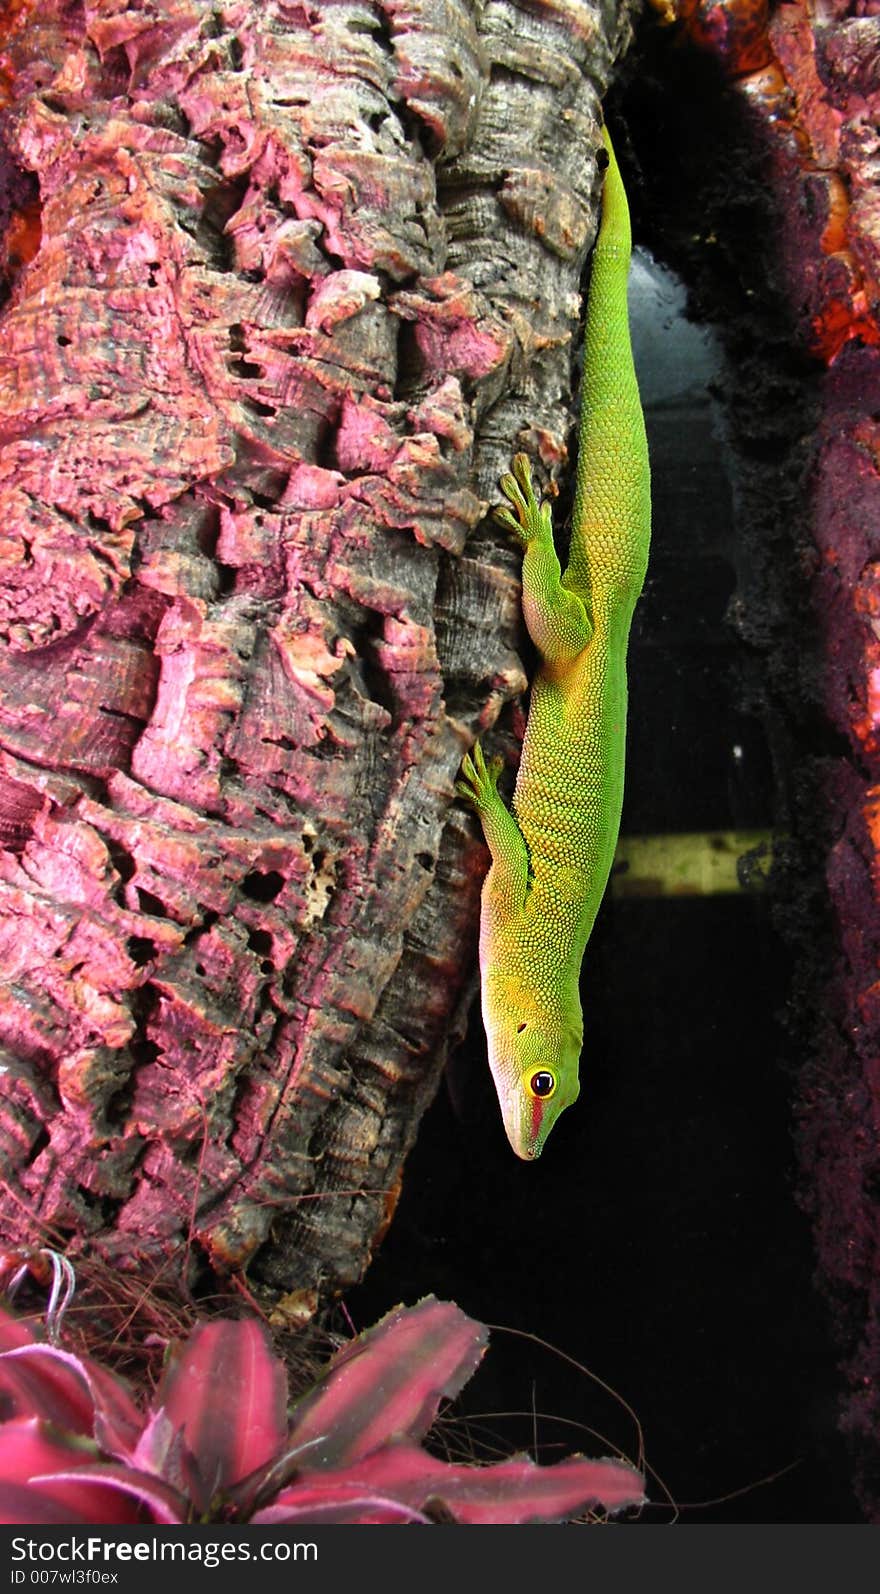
[{"x": 757, "y": 129}]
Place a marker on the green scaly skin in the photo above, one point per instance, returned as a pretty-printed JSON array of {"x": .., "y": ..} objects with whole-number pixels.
[{"x": 552, "y": 854}]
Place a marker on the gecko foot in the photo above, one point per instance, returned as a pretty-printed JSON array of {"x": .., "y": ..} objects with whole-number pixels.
[
  {"x": 532, "y": 519},
  {"x": 478, "y": 783}
]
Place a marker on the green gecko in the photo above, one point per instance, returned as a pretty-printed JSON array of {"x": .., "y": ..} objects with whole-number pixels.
[{"x": 552, "y": 854}]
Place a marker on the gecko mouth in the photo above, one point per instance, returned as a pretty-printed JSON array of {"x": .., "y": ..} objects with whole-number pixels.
[{"x": 528, "y": 1147}]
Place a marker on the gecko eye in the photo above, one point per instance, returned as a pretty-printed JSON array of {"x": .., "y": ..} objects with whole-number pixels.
[{"x": 542, "y": 1083}]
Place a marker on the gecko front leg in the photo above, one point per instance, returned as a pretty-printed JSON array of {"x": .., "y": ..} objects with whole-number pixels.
[
  {"x": 504, "y": 890},
  {"x": 556, "y": 617}
]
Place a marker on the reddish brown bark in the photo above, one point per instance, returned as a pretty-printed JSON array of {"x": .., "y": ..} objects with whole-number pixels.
[{"x": 259, "y": 377}]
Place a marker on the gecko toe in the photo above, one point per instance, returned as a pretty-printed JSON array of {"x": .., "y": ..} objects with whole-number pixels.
[{"x": 478, "y": 777}]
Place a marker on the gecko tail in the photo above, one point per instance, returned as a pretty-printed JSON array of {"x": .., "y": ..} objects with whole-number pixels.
[
  {"x": 615, "y": 231},
  {"x": 611, "y": 518}
]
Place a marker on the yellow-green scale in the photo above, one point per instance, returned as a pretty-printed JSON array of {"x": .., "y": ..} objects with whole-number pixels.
[
  {"x": 552, "y": 854},
  {"x": 569, "y": 789}
]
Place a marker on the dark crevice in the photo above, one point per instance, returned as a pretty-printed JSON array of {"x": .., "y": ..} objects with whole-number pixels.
[
  {"x": 151, "y": 904},
  {"x": 221, "y": 202},
  {"x": 257, "y": 407},
  {"x": 40, "y": 1141},
  {"x": 366, "y": 674},
  {"x": 141, "y": 949},
  {"x": 325, "y": 442},
  {"x": 262, "y": 886},
  {"x": 208, "y": 531},
  {"x": 208, "y": 920},
  {"x": 144, "y": 1051},
  {"x": 265, "y": 501},
  {"x": 410, "y": 362},
  {"x": 246, "y": 369}
]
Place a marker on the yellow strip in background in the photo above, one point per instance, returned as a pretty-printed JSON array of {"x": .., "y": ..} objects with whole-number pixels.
[{"x": 708, "y": 863}]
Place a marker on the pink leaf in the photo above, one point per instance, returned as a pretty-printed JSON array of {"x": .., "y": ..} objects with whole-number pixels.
[
  {"x": 515, "y": 1491},
  {"x": 389, "y": 1382},
  {"x": 157, "y": 1448},
  {"x": 118, "y": 1422},
  {"x": 264, "y": 1484},
  {"x": 107, "y": 1480},
  {"x": 225, "y": 1392},
  {"x": 20, "y": 1504},
  {"x": 38, "y": 1383},
  {"x": 28, "y": 1445},
  {"x": 71, "y": 1391},
  {"x": 30, "y": 1449},
  {"x": 316, "y": 1502}
]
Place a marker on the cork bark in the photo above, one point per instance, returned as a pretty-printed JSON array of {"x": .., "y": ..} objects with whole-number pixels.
[{"x": 285, "y": 287}]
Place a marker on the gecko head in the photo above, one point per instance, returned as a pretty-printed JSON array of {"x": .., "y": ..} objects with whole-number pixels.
[{"x": 535, "y": 1067}]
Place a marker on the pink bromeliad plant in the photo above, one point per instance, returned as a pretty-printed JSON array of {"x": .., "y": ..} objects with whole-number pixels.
[{"x": 218, "y": 1443}]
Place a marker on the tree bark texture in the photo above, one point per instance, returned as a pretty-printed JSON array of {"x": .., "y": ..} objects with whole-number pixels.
[{"x": 288, "y": 285}]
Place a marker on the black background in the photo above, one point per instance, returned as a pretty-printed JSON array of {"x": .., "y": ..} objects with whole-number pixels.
[{"x": 658, "y": 1241}]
